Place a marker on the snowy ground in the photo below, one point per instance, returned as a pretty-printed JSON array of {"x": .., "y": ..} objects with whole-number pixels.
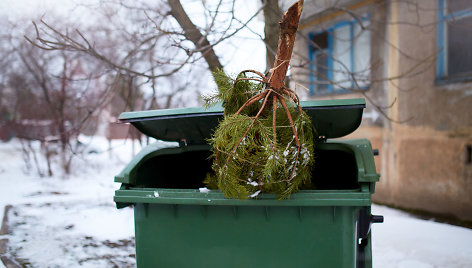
[
  {"x": 403, "y": 241},
  {"x": 67, "y": 221},
  {"x": 72, "y": 221}
]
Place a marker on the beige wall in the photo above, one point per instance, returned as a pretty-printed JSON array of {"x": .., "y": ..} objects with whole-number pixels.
[
  {"x": 426, "y": 165},
  {"x": 422, "y": 161}
]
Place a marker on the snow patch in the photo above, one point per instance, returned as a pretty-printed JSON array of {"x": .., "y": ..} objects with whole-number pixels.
[
  {"x": 255, "y": 194},
  {"x": 253, "y": 183},
  {"x": 204, "y": 190}
]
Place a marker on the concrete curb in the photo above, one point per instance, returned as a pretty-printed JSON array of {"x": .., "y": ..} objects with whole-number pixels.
[{"x": 5, "y": 230}]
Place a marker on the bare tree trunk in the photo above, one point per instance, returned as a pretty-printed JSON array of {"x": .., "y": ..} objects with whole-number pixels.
[
  {"x": 192, "y": 33},
  {"x": 288, "y": 31},
  {"x": 47, "y": 154},
  {"x": 288, "y": 26},
  {"x": 63, "y": 134},
  {"x": 271, "y": 29},
  {"x": 33, "y": 152}
]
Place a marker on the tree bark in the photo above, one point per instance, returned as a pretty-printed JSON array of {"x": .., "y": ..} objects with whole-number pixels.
[
  {"x": 288, "y": 30},
  {"x": 271, "y": 30},
  {"x": 192, "y": 33}
]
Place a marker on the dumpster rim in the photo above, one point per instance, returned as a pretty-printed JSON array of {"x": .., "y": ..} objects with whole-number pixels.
[{"x": 215, "y": 197}]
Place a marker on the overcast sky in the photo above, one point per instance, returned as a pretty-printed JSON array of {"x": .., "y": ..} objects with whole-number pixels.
[
  {"x": 241, "y": 52},
  {"x": 26, "y": 8}
]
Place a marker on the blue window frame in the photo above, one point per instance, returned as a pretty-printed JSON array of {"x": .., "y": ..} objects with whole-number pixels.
[
  {"x": 454, "y": 40},
  {"x": 320, "y": 53},
  {"x": 339, "y": 58}
]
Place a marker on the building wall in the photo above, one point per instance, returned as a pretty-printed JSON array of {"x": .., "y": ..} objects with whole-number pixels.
[
  {"x": 425, "y": 160},
  {"x": 429, "y": 169}
]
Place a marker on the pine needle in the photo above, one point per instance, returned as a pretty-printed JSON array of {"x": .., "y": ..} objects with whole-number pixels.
[{"x": 259, "y": 147}]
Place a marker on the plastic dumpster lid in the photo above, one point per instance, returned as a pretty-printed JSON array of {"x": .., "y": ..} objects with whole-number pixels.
[{"x": 331, "y": 118}]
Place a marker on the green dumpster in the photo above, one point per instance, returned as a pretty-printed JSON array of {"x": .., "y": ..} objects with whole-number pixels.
[{"x": 178, "y": 223}]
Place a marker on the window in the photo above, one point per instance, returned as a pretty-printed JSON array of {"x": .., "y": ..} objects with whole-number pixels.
[
  {"x": 340, "y": 58},
  {"x": 320, "y": 60},
  {"x": 454, "y": 39}
]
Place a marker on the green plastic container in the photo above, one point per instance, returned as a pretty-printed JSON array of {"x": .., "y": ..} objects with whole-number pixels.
[{"x": 177, "y": 225}]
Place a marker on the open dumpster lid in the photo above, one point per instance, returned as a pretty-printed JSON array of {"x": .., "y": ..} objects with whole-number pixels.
[{"x": 331, "y": 118}]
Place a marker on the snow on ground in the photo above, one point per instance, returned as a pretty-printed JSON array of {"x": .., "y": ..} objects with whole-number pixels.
[
  {"x": 72, "y": 221},
  {"x": 403, "y": 241},
  {"x": 67, "y": 221}
]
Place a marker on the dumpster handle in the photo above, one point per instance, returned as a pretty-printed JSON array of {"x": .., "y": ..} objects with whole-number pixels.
[
  {"x": 376, "y": 219},
  {"x": 363, "y": 229},
  {"x": 365, "y": 222}
]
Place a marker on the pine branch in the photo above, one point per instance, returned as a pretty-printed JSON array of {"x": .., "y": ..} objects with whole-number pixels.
[{"x": 257, "y": 147}]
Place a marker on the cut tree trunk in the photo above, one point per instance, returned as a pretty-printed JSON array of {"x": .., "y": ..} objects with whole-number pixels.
[
  {"x": 281, "y": 161},
  {"x": 288, "y": 30},
  {"x": 272, "y": 14}
]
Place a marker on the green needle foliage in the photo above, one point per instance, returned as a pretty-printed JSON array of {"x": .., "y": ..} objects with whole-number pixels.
[{"x": 247, "y": 158}]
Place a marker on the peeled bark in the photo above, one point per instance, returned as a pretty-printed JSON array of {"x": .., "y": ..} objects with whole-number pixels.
[
  {"x": 271, "y": 29},
  {"x": 288, "y": 30}
]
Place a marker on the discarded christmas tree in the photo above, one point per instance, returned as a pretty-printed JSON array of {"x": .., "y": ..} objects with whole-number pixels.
[{"x": 265, "y": 142}]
